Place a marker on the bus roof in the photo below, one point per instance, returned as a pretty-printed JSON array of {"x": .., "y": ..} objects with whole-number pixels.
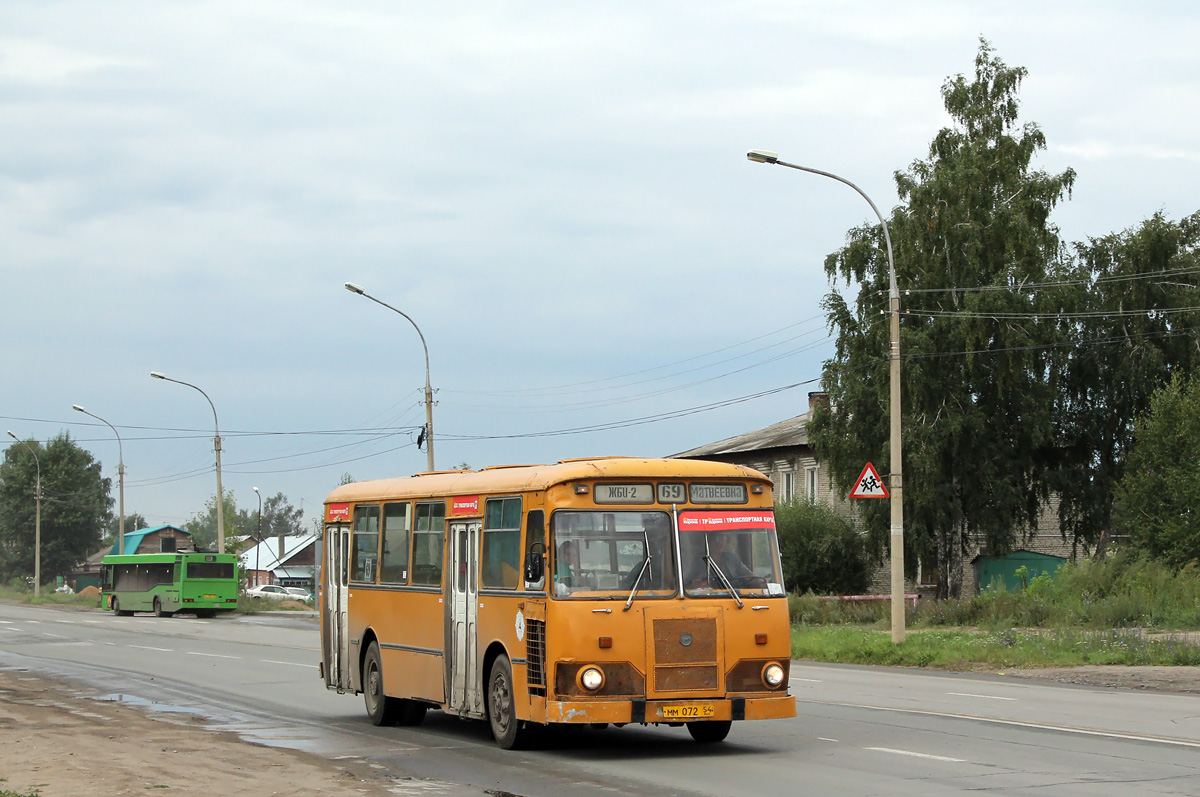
[
  {"x": 168, "y": 556},
  {"x": 513, "y": 478}
]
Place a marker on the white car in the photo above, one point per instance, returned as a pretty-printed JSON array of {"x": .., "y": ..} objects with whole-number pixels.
[
  {"x": 300, "y": 593},
  {"x": 273, "y": 591}
]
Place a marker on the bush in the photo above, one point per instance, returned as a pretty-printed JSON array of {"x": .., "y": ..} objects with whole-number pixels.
[{"x": 822, "y": 551}]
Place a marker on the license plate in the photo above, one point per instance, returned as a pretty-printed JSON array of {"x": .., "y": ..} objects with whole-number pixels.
[
  {"x": 689, "y": 711},
  {"x": 210, "y": 596}
]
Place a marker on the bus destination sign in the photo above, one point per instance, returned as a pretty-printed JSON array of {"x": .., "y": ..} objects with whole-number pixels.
[
  {"x": 718, "y": 493},
  {"x": 623, "y": 494}
]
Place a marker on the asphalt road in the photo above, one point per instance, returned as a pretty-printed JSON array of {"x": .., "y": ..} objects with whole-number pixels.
[{"x": 859, "y": 730}]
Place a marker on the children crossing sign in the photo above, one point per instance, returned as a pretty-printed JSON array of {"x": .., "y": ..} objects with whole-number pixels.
[{"x": 869, "y": 485}]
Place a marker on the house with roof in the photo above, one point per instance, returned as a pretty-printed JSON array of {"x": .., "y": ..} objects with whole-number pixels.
[
  {"x": 156, "y": 539},
  {"x": 782, "y": 452},
  {"x": 289, "y": 561}
]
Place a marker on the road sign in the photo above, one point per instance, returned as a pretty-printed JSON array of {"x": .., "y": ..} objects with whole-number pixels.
[{"x": 869, "y": 485}]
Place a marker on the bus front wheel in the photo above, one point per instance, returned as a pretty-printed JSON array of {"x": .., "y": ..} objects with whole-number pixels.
[
  {"x": 158, "y": 609},
  {"x": 502, "y": 707},
  {"x": 710, "y": 731}
]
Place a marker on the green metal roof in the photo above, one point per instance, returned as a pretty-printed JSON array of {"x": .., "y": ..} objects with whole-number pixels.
[{"x": 134, "y": 538}]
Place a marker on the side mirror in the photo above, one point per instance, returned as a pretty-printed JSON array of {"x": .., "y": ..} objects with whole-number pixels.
[{"x": 534, "y": 567}]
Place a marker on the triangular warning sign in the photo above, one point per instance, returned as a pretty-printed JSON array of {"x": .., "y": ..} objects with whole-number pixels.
[{"x": 869, "y": 485}]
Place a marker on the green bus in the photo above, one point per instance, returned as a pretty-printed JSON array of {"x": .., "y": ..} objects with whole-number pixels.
[{"x": 165, "y": 583}]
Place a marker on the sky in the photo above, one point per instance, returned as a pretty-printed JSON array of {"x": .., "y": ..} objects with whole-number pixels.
[{"x": 557, "y": 194}]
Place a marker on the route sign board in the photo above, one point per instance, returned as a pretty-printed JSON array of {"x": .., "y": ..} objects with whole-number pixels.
[{"x": 869, "y": 485}]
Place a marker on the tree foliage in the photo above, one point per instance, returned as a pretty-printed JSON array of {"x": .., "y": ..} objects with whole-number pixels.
[
  {"x": 203, "y": 525},
  {"x": 976, "y": 394},
  {"x": 822, "y": 551},
  {"x": 1158, "y": 500},
  {"x": 76, "y": 507},
  {"x": 279, "y": 518},
  {"x": 1131, "y": 323}
]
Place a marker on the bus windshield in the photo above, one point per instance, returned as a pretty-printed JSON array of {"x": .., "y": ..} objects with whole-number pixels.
[
  {"x": 723, "y": 548},
  {"x": 601, "y": 555}
]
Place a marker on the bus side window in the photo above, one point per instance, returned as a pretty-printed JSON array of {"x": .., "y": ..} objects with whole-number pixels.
[
  {"x": 429, "y": 539},
  {"x": 365, "y": 549},
  {"x": 501, "y": 543},
  {"x": 535, "y": 544},
  {"x": 393, "y": 568}
]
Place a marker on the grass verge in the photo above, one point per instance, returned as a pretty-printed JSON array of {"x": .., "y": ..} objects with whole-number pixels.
[{"x": 965, "y": 649}]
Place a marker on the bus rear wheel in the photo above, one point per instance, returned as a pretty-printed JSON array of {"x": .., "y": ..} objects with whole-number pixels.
[
  {"x": 709, "y": 732},
  {"x": 158, "y": 609},
  {"x": 116, "y": 609},
  {"x": 384, "y": 710},
  {"x": 502, "y": 707}
]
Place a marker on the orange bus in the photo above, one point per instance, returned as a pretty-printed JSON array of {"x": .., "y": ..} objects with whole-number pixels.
[{"x": 594, "y": 591}]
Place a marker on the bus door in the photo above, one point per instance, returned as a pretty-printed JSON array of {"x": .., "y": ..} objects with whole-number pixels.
[
  {"x": 463, "y": 606},
  {"x": 336, "y": 644}
]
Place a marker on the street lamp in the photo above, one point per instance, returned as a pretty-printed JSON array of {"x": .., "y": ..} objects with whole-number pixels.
[
  {"x": 217, "y": 446},
  {"x": 120, "y": 478},
  {"x": 259, "y": 535},
  {"x": 350, "y": 286},
  {"x": 895, "y": 479},
  {"x": 37, "y": 521}
]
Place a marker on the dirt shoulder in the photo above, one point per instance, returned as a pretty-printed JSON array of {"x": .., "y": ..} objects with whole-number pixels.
[
  {"x": 54, "y": 740},
  {"x": 1181, "y": 680}
]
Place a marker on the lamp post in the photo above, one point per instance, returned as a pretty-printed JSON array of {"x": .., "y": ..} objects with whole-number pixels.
[
  {"x": 120, "y": 478},
  {"x": 217, "y": 446},
  {"x": 895, "y": 479},
  {"x": 350, "y": 286},
  {"x": 37, "y": 522},
  {"x": 259, "y": 536}
]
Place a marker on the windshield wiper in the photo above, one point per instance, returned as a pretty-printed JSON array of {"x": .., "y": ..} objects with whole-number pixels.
[
  {"x": 642, "y": 572},
  {"x": 721, "y": 574}
]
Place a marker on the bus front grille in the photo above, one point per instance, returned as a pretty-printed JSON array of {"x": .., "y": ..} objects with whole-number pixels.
[
  {"x": 535, "y": 656},
  {"x": 685, "y": 655}
]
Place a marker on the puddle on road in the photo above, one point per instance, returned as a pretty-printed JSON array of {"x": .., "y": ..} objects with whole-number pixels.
[{"x": 247, "y": 727}]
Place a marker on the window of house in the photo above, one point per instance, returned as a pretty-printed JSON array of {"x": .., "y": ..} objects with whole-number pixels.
[
  {"x": 393, "y": 568},
  {"x": 501, "y": 558},
  {"x": 428, "y": 541},
  {"x": 810, "y": 484},
  {"x": 365, "y": 547}
]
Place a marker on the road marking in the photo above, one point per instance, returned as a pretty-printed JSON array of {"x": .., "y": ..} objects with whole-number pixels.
[
  {"x": 14, "y": 630},
  {"x": 292, "y": 663},
  {"x": 826, "y": 739},
  {"x": 5, "y": 622},
  {"x": 806, "y": 680},
  {"x": 1018, "y": 723},
  {"x": 915, "y": 755},
  {"x": 212, "y": 655},
  {"x": 56, "y": 636},
  {"x": 147, "y": 647},
  {"x": 985, "y": 697}
]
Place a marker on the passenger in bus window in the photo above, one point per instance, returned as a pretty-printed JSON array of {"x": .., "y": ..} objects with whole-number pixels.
[
  {"x": 720, "y": 550},
  {"x": 566, "y": 564}
]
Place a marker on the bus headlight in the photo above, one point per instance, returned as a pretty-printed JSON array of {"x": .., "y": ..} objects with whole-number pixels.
[
  {"x": 591, "y": 678},
  {"x": 772, "y": 675}
]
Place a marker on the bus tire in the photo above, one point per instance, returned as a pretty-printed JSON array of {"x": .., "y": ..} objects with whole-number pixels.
[
  {"x": 382, "y": 710},
  {"x": 116, "y": 608},
  {"x": 502, "y": 706},
  {"x": 710, "y": 731},
  {"x": 158, "y": 609}
]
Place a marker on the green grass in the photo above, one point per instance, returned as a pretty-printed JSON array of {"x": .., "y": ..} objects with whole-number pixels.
[
  {"x": 965, "y": 649},
  {"x": 1089, "y": 613}
]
